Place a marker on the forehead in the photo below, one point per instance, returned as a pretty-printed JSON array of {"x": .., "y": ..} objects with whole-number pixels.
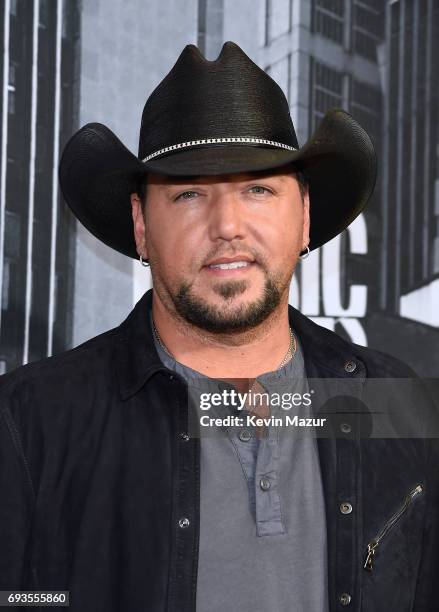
[{"x": 162, "y": 179}]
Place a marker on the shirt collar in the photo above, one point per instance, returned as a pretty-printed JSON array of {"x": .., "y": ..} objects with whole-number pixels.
[{"x": 325, "y": 353}]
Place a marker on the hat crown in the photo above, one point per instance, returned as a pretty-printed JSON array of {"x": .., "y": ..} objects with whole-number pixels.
[{"x": 226, "y": 98}]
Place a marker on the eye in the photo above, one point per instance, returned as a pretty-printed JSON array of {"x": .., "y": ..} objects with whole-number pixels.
[
  {"x": 187, "y": 195},
  {"x": 259, "y": 190}
]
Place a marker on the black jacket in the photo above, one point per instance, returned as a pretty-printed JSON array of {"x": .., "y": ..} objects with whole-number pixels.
[{"x": 96, "y": 471}]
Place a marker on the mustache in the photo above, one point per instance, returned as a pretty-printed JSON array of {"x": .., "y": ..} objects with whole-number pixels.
[{"x": 221, "y": 252}]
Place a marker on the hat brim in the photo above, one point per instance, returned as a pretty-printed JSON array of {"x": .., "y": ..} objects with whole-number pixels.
[{"x": 98, "y": 173}]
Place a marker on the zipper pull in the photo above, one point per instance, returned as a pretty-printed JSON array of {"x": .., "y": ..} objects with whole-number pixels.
[
  {"x": 415, "y": 491},
  {"x": 368, "y": 564}
]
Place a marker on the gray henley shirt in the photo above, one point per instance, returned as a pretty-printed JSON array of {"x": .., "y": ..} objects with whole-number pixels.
[{"x": 262, "y": 513}]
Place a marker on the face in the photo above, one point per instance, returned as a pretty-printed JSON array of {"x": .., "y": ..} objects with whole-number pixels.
[{"x": 222, "y": 249}]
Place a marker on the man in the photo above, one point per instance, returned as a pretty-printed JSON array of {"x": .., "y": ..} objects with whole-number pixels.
[{"x": 109, "y": 489}]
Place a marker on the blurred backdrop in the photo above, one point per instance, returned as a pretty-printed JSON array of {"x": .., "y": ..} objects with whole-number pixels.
[{"x": 68, "y": 62}]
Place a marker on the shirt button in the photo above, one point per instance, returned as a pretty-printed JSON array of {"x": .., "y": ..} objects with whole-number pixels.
[
  {"x": 265, "y": 484},
  {"x": 350, "y": 366},
  {"x": 345, "y": 508},
  {"x": 345, "y": 427},
  {"x": 245, "y": 435},
  {"x": 184, "y": 522},
  {"x": 345, "y": 599},
  {"x": 184, "y": 436}
]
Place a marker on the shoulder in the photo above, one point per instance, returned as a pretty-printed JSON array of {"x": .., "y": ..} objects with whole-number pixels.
[
  {"x": 59, "y": 371},
  {"x": 327, "y": 346},
  {"x": 382, "y": 365}
]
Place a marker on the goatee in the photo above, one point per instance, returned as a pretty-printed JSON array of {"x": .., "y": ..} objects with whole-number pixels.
[{"x": 217, "y": 320}]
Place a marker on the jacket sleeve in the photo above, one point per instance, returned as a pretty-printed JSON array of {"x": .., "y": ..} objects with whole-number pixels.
[{"x": 16, "y": 507}]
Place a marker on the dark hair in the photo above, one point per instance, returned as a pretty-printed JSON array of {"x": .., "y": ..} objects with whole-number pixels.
[
  {"x": 302, "y": 180},
  {"x": 141, "y": 187},
  {"x": 142, "y": 184}
]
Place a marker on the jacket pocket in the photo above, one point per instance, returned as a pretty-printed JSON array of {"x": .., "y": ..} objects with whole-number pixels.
[{"x": 373, "y": 544}]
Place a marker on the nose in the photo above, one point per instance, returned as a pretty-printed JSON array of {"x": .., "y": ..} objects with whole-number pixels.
[{"x": 226, "y": 217}]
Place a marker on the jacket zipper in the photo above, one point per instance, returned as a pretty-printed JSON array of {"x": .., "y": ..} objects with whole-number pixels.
[{"x": 374, "y": 542}]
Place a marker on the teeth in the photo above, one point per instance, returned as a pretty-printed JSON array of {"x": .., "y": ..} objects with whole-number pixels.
[{"x": 230, "y": 266}]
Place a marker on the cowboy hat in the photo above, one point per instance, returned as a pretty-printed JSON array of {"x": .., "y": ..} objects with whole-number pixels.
[{"x": 213, "y": 118}]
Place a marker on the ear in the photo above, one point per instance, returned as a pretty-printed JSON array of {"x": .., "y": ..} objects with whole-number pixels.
[
  {"x": 138, "y": 225},
  {"x": 306, "y": 220}
]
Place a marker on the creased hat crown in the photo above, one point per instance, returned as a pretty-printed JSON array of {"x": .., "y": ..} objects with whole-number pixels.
[{"x": 201, "y": 99}]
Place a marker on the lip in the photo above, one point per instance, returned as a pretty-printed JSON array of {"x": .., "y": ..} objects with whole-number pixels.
[
  {"x": 221, "y": 260},
  {"x": 232, "y": 271}
]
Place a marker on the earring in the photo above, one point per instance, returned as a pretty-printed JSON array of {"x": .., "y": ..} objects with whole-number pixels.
[
  {"x": 305, "y": 255},
  {"x": 144, "y": 262}
]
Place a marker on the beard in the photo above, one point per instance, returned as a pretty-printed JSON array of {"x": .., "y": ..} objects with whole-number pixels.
[{"x": 216, "y": 319}]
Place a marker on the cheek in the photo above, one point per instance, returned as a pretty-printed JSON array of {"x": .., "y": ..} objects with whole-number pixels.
[
  {"x": 294, "y": 223},
  {"x": 283, "y": 234},
  {"x": 174, "y": 245}
]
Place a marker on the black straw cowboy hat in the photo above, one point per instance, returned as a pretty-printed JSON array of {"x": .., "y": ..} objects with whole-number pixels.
[{"x": 212, "y": 118}]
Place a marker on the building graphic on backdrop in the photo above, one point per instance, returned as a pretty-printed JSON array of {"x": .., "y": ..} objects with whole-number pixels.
[
  {"x": 410, "y": 245},
  {"x": 377, "y": 283},
  {"x": 407, "y": 320},
  {"x": 36, "y": 234}
]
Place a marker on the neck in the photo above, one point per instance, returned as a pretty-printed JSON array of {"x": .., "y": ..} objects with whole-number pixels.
[{"x": 245, "y": 354}]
